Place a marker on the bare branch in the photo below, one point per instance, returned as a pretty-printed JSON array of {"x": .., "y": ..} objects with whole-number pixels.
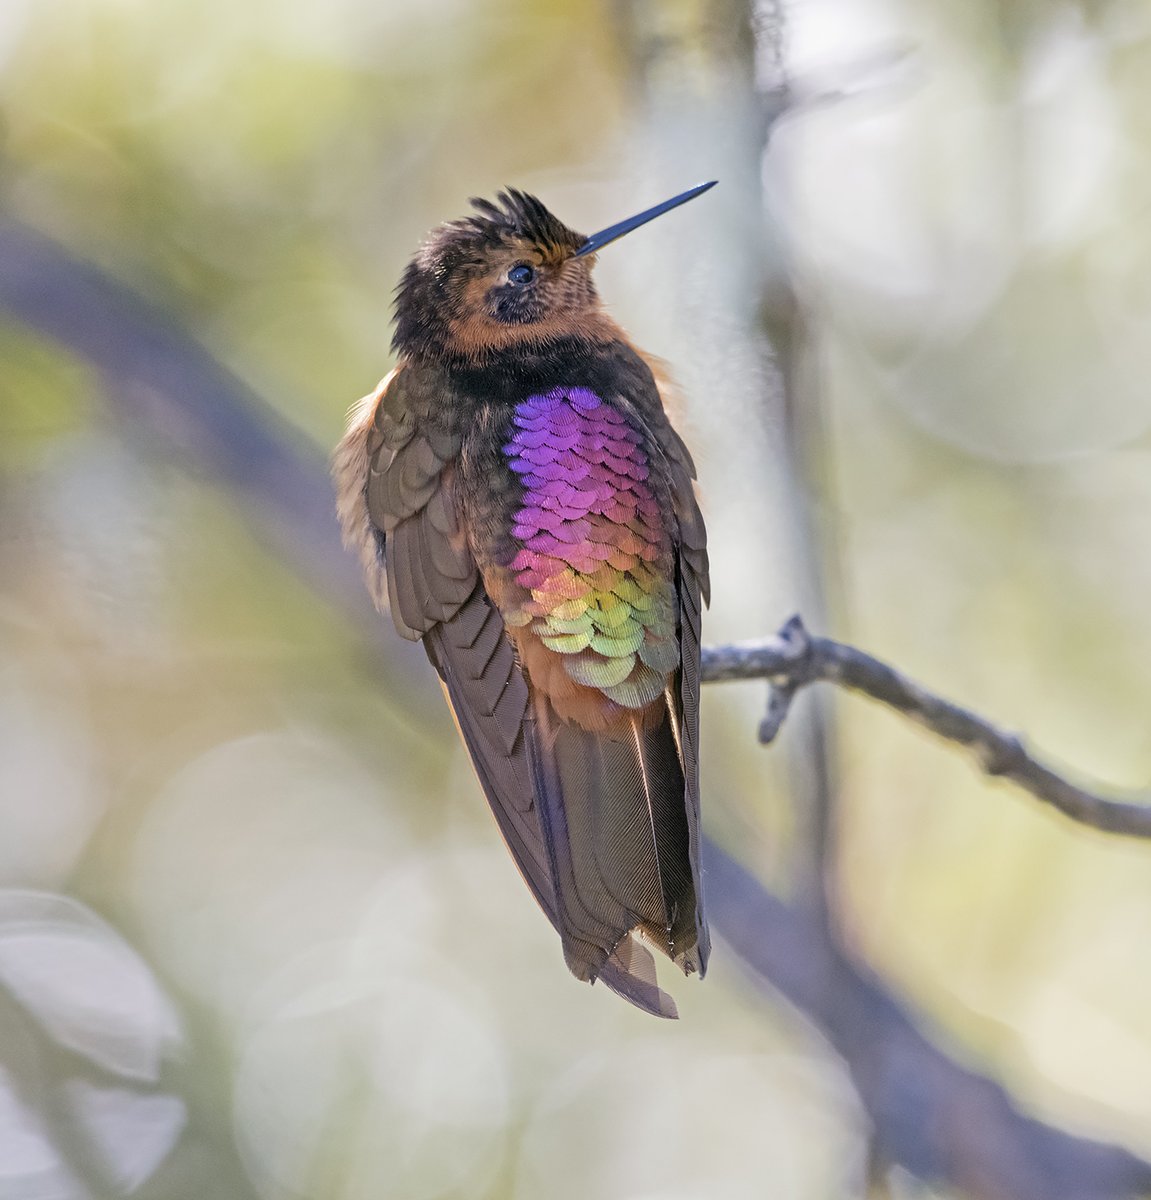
[{"x": 794, "y": 658}]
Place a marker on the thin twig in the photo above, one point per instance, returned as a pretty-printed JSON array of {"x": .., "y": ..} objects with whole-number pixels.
[{"x": 794, "y": 658}]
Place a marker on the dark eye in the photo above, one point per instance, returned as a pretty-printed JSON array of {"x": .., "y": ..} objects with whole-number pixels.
[{"x": 521, "y": 273}]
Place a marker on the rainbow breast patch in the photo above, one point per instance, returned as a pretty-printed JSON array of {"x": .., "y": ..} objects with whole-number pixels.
[{"x": 594, "y": 559}]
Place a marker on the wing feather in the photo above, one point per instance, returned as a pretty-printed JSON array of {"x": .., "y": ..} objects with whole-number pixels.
[{"x": 693, "y": 590}]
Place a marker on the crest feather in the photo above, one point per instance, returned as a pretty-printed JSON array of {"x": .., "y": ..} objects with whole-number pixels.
[{"x": 520, "y": 214}]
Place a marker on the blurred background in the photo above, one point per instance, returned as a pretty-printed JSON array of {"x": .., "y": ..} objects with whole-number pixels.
[{"x": 258, "y": 935}]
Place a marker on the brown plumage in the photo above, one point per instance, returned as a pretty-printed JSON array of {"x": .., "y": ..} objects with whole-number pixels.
[{"x": 523, "y": 506}]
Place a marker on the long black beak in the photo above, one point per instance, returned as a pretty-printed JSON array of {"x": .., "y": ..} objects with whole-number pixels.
[{"x": 598, "y": 241}]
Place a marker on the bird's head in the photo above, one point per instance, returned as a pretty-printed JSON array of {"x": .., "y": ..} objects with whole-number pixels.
[{"x": 511, "y": 276}]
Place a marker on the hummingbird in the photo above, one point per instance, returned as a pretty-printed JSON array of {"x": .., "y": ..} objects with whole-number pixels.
[{"x": 523, "y": 506}]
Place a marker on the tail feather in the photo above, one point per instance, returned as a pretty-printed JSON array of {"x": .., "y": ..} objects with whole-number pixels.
[
  {"x": 615, "y": 822},
  {"x": 630, "y": 973}
]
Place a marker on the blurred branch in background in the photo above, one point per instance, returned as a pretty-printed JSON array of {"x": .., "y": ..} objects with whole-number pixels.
[
  {"x": 930, "y": 1114},
  {"x": 173, "y": 400},
  {"x": 794, "y": 658}
]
